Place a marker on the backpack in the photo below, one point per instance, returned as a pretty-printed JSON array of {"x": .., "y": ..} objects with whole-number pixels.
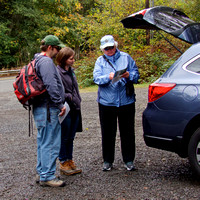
[{"x": 27, "y": 85}]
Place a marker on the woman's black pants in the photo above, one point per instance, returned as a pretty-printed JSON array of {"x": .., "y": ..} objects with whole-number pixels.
[{"x": 125, "y": 115}]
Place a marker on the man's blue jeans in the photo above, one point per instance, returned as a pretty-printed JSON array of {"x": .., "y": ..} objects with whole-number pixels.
[{"x": 48, "y": 141}]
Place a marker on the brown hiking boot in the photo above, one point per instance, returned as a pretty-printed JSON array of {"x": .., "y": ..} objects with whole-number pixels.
[
  {"x": 67, "y": 168},
  {"x": 73, "y": 166},
  {"x": 53, "y": 183}
]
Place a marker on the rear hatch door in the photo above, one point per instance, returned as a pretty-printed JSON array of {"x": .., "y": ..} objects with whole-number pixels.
[{"x": 170, "y": 20}]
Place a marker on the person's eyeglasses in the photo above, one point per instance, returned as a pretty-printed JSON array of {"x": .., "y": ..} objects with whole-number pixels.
[
  {"x": 109, "y": 48},
  {"x": 57, "y": 48}
]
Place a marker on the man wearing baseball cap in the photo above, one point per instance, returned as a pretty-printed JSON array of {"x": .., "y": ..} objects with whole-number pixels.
[
  {"x": 46, "y": 108},
  {"x": 53, "y": 41},
  {"x": 116, "y": 102}
]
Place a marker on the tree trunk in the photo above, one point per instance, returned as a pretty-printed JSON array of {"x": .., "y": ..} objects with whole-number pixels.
[{"x": 77, "y": 52}]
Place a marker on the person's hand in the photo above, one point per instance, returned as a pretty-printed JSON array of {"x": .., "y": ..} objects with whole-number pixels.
[
  {"x": 125, "y": 75},
  {"x": 63, "y": 110},
  {"x": 111, "y": 75}
]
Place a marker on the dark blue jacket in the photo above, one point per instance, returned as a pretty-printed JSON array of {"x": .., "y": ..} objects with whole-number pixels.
[{"x": 72, "y": 95}]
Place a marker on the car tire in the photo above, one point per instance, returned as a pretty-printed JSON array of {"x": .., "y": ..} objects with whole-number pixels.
[{"x": 194, "y": 152}]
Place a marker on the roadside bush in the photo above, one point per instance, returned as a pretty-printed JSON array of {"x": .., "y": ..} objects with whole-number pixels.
[
  {"x": 8, "y": 47},
  {"x": 152, "y": 62},
  {"x": 84, "y": 70},
  {"x": 152, "y": 66}
]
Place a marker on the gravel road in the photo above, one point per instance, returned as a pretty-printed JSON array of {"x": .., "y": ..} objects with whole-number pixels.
[{"x": 161, "y": 175}]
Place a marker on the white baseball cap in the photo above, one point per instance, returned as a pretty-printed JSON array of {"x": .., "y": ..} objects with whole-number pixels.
[{"x": 107, "y": 41}]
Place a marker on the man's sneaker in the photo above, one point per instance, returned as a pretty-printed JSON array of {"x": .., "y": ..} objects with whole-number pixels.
[
  {"x": 37, "y": 178},
  {"x": 130, "y": 166},
  {"x": 107, "y": 166},
  {"x": 53, "y": 183}
]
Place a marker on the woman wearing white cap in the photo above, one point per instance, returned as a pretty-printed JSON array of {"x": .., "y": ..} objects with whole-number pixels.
[{"x": 116, "y": 101}]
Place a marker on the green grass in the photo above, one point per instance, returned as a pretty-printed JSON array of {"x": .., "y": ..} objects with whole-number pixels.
[
  {"x": 142, "y": 85},
  {"x": 94, "y": 88},
  {"x": 89, "y": 89}
]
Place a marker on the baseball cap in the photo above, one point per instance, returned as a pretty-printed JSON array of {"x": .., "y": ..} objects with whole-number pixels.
[
  {"x": 53, "y": 40},
  {"x": 107, "y": 41}
]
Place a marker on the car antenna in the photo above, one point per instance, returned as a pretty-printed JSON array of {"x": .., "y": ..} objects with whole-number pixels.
[{"x": 170, "y": 42}]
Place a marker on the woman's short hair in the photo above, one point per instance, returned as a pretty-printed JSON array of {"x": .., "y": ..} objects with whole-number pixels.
[{"x": 64, "y": 54}]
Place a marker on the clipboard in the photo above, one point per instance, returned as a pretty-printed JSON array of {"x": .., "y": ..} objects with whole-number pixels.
[{"x": 118, "y": 75}]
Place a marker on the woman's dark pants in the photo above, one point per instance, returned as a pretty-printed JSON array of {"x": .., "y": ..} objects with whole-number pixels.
[
  {"x": 125, "y": 116},
  {"x": 68, "y": 132}
]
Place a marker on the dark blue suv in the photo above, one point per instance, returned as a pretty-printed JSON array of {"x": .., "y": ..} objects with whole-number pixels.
[{"x": 171, "y": 120}]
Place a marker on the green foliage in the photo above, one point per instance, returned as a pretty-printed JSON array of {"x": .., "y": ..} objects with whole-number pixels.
[
  {"x": 192, "y": 9},
  {"x": 84, "y": 70},
  {"x": 80, "y": 24},
  {"x": 152, "y": 66},
  {"x": 106, "y": 20},
  {"x": 8, "y": 45},
  {"x": 22, "y": 27}
]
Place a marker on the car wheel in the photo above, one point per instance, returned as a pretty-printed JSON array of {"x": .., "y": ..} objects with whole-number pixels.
[{"x": 194, "y": 151}]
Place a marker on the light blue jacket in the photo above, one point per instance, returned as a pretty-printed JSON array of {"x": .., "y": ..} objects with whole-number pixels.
[{"x": 114, "y": 94}]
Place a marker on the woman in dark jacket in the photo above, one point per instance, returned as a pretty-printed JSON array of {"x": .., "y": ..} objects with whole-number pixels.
[{"x": 73, "y": 122}]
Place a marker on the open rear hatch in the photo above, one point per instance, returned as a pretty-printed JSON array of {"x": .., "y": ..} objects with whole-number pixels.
[{"x": 167, "y": 19}]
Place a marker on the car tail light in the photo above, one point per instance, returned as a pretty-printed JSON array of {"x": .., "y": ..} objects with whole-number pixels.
[{"x": 157, "y": 90}]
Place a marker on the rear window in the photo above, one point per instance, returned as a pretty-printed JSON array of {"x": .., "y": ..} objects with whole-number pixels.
[
  {"x": 194, "y": 65},
  {"x": 171, "y": 21}
]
